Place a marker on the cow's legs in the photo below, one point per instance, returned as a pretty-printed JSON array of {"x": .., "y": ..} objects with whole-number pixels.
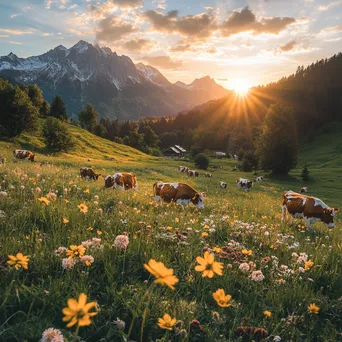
[
  {"x": 307, "y": 223},
  {"x": 283, "y": 213}
]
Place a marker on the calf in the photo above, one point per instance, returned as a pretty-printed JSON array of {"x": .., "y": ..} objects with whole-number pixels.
[
  {"x": 88, "y": 172},
  {"x": 245, "y": 184},
  {"x": 122, "y": 181},
  {"x": 223, "y": 185},
  {"x": 192, "y": 173},
  {"x": 208, "y": 175},
  {"x": 311, "y": 209},
  {"x": 183, "y": 169},
  {"x": 259, "y": 179},
  {"x": 178, "y": 192},
  {"x": 24, "y": 155},
  {"x": 303, "y": 190}
]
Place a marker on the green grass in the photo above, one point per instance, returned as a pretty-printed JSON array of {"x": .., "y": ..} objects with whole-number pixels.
[{"x": 32, "y": 300}]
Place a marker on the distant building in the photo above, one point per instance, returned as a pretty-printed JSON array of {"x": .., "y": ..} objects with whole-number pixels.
[
  {"x": 175, "y": 151},
  {"x": 220, "y": 154}
]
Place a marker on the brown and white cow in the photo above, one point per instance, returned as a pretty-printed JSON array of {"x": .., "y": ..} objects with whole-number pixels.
[
  {"x": 223, "y": 185},
  {"x": 121, "y": 181},
  {"x": 259, "y": 179},
  {"x": 179, "y": 193},
  {"x": 24, "y": 155},
  {"x": 89, "y": 173},
  {"x": 183, "y": 169},
  {"x": 208, "y": 175},
  {"x": 303, "y": 190},
  {"x": 192, "y": 173},
  {"x": 245, "y": 184},
  {"x": 311, "y": 209}
]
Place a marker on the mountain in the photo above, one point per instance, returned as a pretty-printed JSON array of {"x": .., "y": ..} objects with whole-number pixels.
[{"x": 116, "y": 86}]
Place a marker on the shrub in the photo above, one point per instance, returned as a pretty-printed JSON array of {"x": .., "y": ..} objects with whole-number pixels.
[
  {"x": 88, "y": 118},
  {"x": 246, "y": 165},
  {"x": 57, "y": 136},
  {"x": 195, "y": 150},
  {"x": 305, "y": 174},
  {"x": 202, "y": 161}
]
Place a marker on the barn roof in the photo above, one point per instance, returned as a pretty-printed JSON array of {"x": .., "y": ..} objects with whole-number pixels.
[{"x": 180, "y": 148}]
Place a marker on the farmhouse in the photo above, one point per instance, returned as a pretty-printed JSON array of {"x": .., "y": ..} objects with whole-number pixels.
[
  {"x": 175, "y": 151},
  {"x": 220, "y": 154}
]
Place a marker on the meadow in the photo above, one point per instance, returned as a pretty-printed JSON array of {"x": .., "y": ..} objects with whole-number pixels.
[{"x": 273, "y": 272}]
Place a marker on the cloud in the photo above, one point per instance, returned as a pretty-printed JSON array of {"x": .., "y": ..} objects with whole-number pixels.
[
  {"x": 138, "y": 44},
  {"x": 288, "y": 46},
  {"x": 293, "y": 47},
  {"x": 12, "y": 16},
  {"x": 15, "y": 43},
  {"x": 100, "y": 9},
  {"x": 327, "y": 7},
  {"x": 127, "y": 3},
  {"x": 199, "y": 25},
  {"x": 163, "y": 62},
  {"x": 327, "y": 31},
  {"x": 112, "y": 28},
  {"x": 243, "y": 20},
  {"x": 212, "y": 49},
  {"x": 182, "y": 47},
  {"x": 17, "y": 32},
  {"x": 58, "y": 3}
]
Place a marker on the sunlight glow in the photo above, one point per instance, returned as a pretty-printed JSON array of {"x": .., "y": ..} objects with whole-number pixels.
[{"x": 240, "y": 85}]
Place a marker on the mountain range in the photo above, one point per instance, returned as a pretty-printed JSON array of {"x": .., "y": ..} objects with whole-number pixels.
[{"x": 117, "y": 87}]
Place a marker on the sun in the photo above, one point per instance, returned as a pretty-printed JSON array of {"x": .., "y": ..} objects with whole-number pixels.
[{"x": 240, "y": 85}]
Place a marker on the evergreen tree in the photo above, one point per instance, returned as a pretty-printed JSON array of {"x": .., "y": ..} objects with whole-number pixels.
[
  {"x": 88, "y": 118},
  {"x": 58, "y": 109},
  {"x": 44, "y": 109},
  {"x": 305, "y": 174},
  {"x": 100, "y": 131},
  {"x": 277, "y": 146},
  {"x": 150, "y": 137}
]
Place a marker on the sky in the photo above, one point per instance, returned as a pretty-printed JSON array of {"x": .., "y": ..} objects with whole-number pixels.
[{"x": 256, "y": 41}]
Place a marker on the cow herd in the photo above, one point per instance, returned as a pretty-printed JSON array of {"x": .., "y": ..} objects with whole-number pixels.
[{"x": 296, "y": 205}]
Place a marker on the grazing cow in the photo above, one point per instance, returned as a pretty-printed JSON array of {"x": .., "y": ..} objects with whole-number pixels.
[
  {"x": 178, "y": 192},
  {"x": 223, "y": 185},
  {"x": 183, "y": 169},
  {"x": 303, "y": 190},
  {"x": 24, "y": 155},
  {"x": 259, "y": 179},
  {"x": 245, "y": 184},
  {"x": 208, "y": 175},
  {"x": 192, "y": 173},
  {"x": 88, "y": 172},
  {"x": 310, "y": 208},
  {"x": 122, "y": 181}
]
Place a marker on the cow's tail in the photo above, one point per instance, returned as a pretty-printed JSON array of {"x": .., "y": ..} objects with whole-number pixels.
[
  {"x": 155, "y": 188},
  {"x": 283, "y": 207}
]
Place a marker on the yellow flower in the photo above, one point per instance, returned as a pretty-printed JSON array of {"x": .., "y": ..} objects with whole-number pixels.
[
  {"x": 163, "y": 275},
  {"x": 222, "y": 299},
  {"x": 217, "y": 249},
  {"x": 176, "y": 219},
  {"x": 90, "y": 228},
  {"x": 77, "y": 312},
  {"x": 66, "y": 201},
  {"x": 267, "y": 313},
  {"x": 206, "y": 227},
  {"x": 75, "y": 251},
  {"x": 313, "y": 308},
  {"x": 169, "y": 228},
  {"x": 204, "y": 234},
  {"x": 247, "y": 252},
  {"x": 308, "y": 264},
  {"x": 65, "y": 221},
  {"x": 86, "y": 191},
  {"x": 44, "y": 200},
  {"x": 18, "y": 261},
  {"x": 208, "y": 266},
  {"x": 99, "y": 232},
  {"x": 166, "y": 322},
  {"x": 83, "y": 208}
]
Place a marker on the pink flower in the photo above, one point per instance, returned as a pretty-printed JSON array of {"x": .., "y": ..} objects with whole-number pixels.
[
  {"x": 121, "y": 242},
  {"x": 257, "y": 276},
  {"x": 244, "y": 267},
  {"x": 52, "y": 335},
  {"x": 68, "y": 263}
]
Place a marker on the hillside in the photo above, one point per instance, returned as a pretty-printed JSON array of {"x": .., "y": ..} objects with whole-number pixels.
[{"x": 87, "y": 146}]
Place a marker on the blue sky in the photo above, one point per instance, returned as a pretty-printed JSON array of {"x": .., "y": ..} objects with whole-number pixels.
[{"x": 258, "y": 40}]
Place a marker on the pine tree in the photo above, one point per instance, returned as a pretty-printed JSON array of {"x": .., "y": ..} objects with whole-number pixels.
[
  {"x": 88, "y": 118},
  {"x": 305, "y": 174},
  {"x": 58, "y": 109}
]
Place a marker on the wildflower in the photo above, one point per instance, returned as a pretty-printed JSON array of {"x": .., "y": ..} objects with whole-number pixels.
[
  {"x": 247, "y": 252},
  {"x": 22, "y": 187},
  {"x": 65, "y": 221},
  {"x": 163, "y": 275},
  {"x": 244, "y": 267},
  {"x": 75, "y": 251},
  {"x": 204, "y": 234},
  {"x": 222, "y": 299},
  {"x": 87, "y": 260},
  {"x": 267, "y": 313},
  {"x": 120, "y": 323},
  {"x": 96, "y": 197},
  {"x": 83, "y": 208},
  {"x": 217, "y": 249},
  {"x": 121, "y": 242},
  {"x": 96, "y": 203},
  {"x": 257, "y": 276},
  {"x": 308, "y": 264},
  {"x": 208, "y": 266},
  {"x": 52, "y": 335},
  {"x": 3, "y": 194},
  {"x": 166, "y": 322},
  {"x": 51, "y": 195},
  {"x": 77, "y": 312},
  {"x": 66, "y": 201},
  {"x": 206, "y": 226},
  {"x": 313, "y": 308},
  {"x": 90, "y": 228},
  {"x": 68, "y": 263},
  {"x": 60, "y": 250},
  {"x": 44, "y": 200},
  {"x": 18, "y": 261},
  {"x": 65, "y": 191},
  {"x": 176, "y": 219},
  {"x": 86, "y": 191}
]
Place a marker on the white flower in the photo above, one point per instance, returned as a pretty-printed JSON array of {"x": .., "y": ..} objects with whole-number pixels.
[
  {"x": 120, "y": 323},
  {"x": 52, "y": 335},
  {"x": 11, "y": 187},
  {"x": 38, "y": 190},
  {"x": 65, "y": 191},
  {"x": 3, "y": 194},
  {"x": 277, "y": 338},
  {"x": 257, "y": 276},
  {"x": 68, "y": 263},
  {"x": 267, "y": 233},
  {"x": 121, "y": 242},
  {"x": 22, "y": 187},
  {"x": 96, "y": 203},
  {"x": 87, "y": 260},
  {"x": 60, "y": 250},
  {"x": 294, "y": 255},
  {"x": 244, "y": 267},
  {"x": 96, "y": 197},
  {"x": 301, "y": 269}
]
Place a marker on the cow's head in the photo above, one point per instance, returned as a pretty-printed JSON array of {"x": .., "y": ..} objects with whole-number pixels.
[
  {"x": 198, "y": 200},
  {"x": 97, "y": 175},
  {"x": 108, "y": 181},
  {"x": 32, "y": 157},
  {"x": 328, "y": 216},
  {"x": 237, "y": 180}
]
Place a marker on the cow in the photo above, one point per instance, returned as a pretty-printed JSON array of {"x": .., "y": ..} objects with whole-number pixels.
[
  {"x": 179, "y": 193},
  {"x": 121, "y": 181},
  {"x": 208, "y": 175},
  {"x": 88, "y": 172},
  {"x": 183, "y": 169},
  {"x": 245, "y": 184},
  {"x": 2, "y": 160},
  {"x": 259, "y": 179},
  {"x": 303, "y": 190},
  {"x": 24, "y": 155},
  {"x": 192, "y": 173},
  {"x": 311, "y": 209},
  {"x": 223, "y": 185}
]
